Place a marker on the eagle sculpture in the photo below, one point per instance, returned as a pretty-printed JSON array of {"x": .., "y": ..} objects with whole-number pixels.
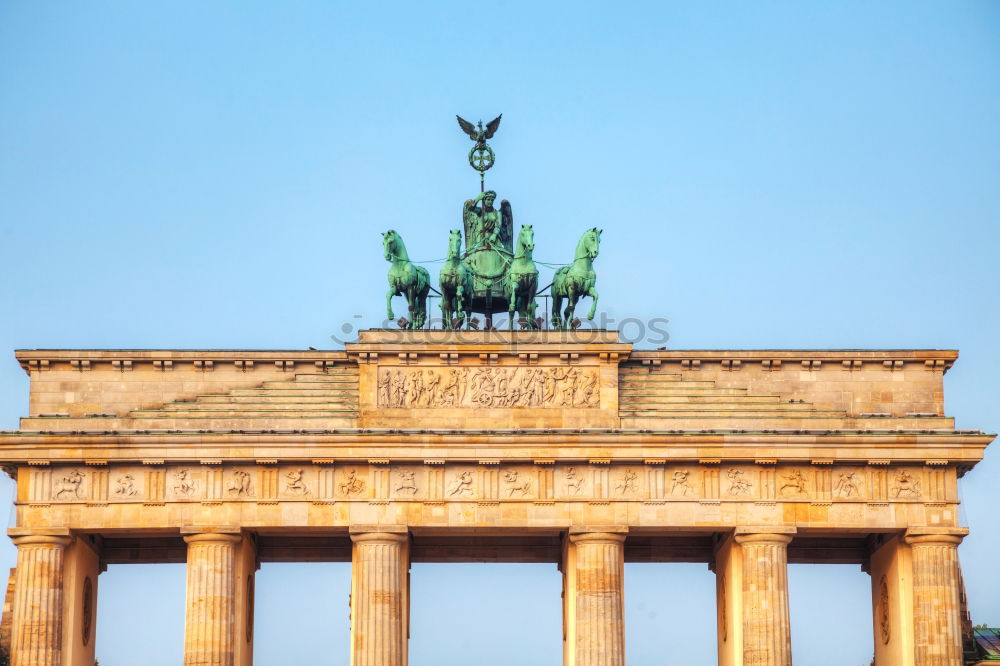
[{"x": 478, "y": 134}]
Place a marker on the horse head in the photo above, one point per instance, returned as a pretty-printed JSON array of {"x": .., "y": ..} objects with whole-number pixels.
[
  {"x": 526, "y": 240},
  {"x": 454, "y": 244},
  {"x": 391, "y": 244},
  {"x": 590, "y": 244}
]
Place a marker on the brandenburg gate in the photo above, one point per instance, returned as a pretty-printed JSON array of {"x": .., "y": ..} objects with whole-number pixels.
[{"x": 567, "y": 447}]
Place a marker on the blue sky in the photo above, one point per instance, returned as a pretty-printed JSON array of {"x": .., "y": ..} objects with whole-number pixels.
[{"x": 767, "y": 174}]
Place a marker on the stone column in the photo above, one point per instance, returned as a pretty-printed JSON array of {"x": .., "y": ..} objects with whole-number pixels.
[
  {"x": 593, "y": 569},
  {"x": 379, "y": 597},
  {"x": 37, "y": 638},
  {"x": 936, "y": 617},
  {"x": 210, "y": 624},
  {"x": 766, "y": 633}
]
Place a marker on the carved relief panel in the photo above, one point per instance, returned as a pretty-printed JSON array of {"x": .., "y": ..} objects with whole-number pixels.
[
  {"x": 298, "y": 482},
  {"x": 185, "y": 482},
  {"x": 682, "y": 483},
  {"x": 849, "y": 483},
  {"x": 574, "y": 482},
  {"x": 460, "y": 483},
  {"x": 408, "y": 482},
  {"x": 127, "y": 484},
  {"x": 518, "y": 483},
  {"x": 489, "y": 386},
  {"x": 738, "y": 483},
  {"x": 352, "y": 482},
  {"x": 70, "y": 484}
]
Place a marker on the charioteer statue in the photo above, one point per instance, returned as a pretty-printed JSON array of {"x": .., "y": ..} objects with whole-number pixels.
[{"x": 488, "y": 251}]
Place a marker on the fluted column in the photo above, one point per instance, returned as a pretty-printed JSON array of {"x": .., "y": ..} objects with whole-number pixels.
[
  {"x": 594, "y": 570},
  {"x": 766, "y": 632},
  {"x": 936, "y": 618},
  {"x": 210, "y": 624},
  {"x": 379, "y": 582},
  {"x": 37, "y": 629}
]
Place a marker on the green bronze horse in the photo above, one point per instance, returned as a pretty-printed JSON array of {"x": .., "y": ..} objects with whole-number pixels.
[
  {"x": 522, "y": 279},
  {"x": 456, "y": 284},
  {"x": 405, "y": 279},
  {"x": 577, "y": 280}
]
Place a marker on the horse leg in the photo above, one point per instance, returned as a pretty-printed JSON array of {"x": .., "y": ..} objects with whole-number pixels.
[
  {"x": 388, "y": 303},
  {"x": 511, "y": 301},
  {"x": 592, "y": 292},
  {"x": 422, "y": 306},
  {"x": 571, "y": 298},
  {"x": 529, "y": 301},
  {"x": 556, "y": 306},
  {"x": 447, "y": 303}
]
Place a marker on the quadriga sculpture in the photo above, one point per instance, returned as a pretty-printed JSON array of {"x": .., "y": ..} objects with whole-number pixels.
[
  {"x": 405, "y": 279},
  {"x": 576, "y": 280},
  {"x": 522, "y": 279},
  {"x": 456, "y": 284}
]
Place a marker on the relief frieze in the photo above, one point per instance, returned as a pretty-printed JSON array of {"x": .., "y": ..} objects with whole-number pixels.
[
  {"x": 462, "y": 482},
  {"x": 499, "y": 387}
]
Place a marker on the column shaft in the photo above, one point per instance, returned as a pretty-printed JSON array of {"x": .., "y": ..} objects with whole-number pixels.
[
  {"x": 209, "y": 632},
  {"x": 595, "y": 581},
  {"x": 378, "y": 599},
  {"x": 37, "y": 629},
  {"x": 936, "y": 616},
  {"x": 766, "y": 632}
]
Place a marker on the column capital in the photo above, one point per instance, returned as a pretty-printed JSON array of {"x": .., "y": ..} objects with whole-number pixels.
[
  {"x": 598, "y": 534},
  {"x": 42, "y": 540},
  {"x": 375, "y": 533},
  {"x": 935, "y": 536},
  {"x": 379, "y": 537},
  {"x": 776, "y": 535},
  {"x": 212, "y": 537}
]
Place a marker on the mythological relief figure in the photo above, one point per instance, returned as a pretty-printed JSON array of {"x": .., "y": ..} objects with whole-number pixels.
[
  {"x": 680, "y": 485},
  {"x": 125, "y": 486},
  {"x": 385, "y": 389},
  {"x": 906, "y": 486},
  {"x": 510, "y": 478},
  {"x": 294, "y": 485},
  {"x": 847, "y": 484},
  {"x": 883, "y": 611},
  {"x": 184, "y": 484},
  {"x": 627, "y": 484},
  {"x": 69, "y": 486},
  {"x": 795, "y": 483},
  {"x": 574, "y": 483},
  {"x": 240, "y": 484},
  {"x": 407, "y": 484},
  {"x": 461, "y": 485},
  {"x": 488, "y": 387},
  {"x": 352, "y": 485},
  {"x": 738, "y": 485}
]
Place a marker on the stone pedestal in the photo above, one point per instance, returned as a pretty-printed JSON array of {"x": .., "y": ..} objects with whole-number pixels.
[
  {"x": 936, "y": 618},
  {"x": 379, "y": 597},
  {"x": 210, "y": 624},
  {"x": 38, "y": 603},
  {"x": 593, "y": 595}
]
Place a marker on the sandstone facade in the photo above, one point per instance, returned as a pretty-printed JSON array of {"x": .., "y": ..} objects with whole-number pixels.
[{"x": 565, "y": 447}]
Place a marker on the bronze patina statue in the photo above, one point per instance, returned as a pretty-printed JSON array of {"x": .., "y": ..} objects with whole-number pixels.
[
  {"x": 490, "y": 276},
  {"x": 405, "y": 279}
]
